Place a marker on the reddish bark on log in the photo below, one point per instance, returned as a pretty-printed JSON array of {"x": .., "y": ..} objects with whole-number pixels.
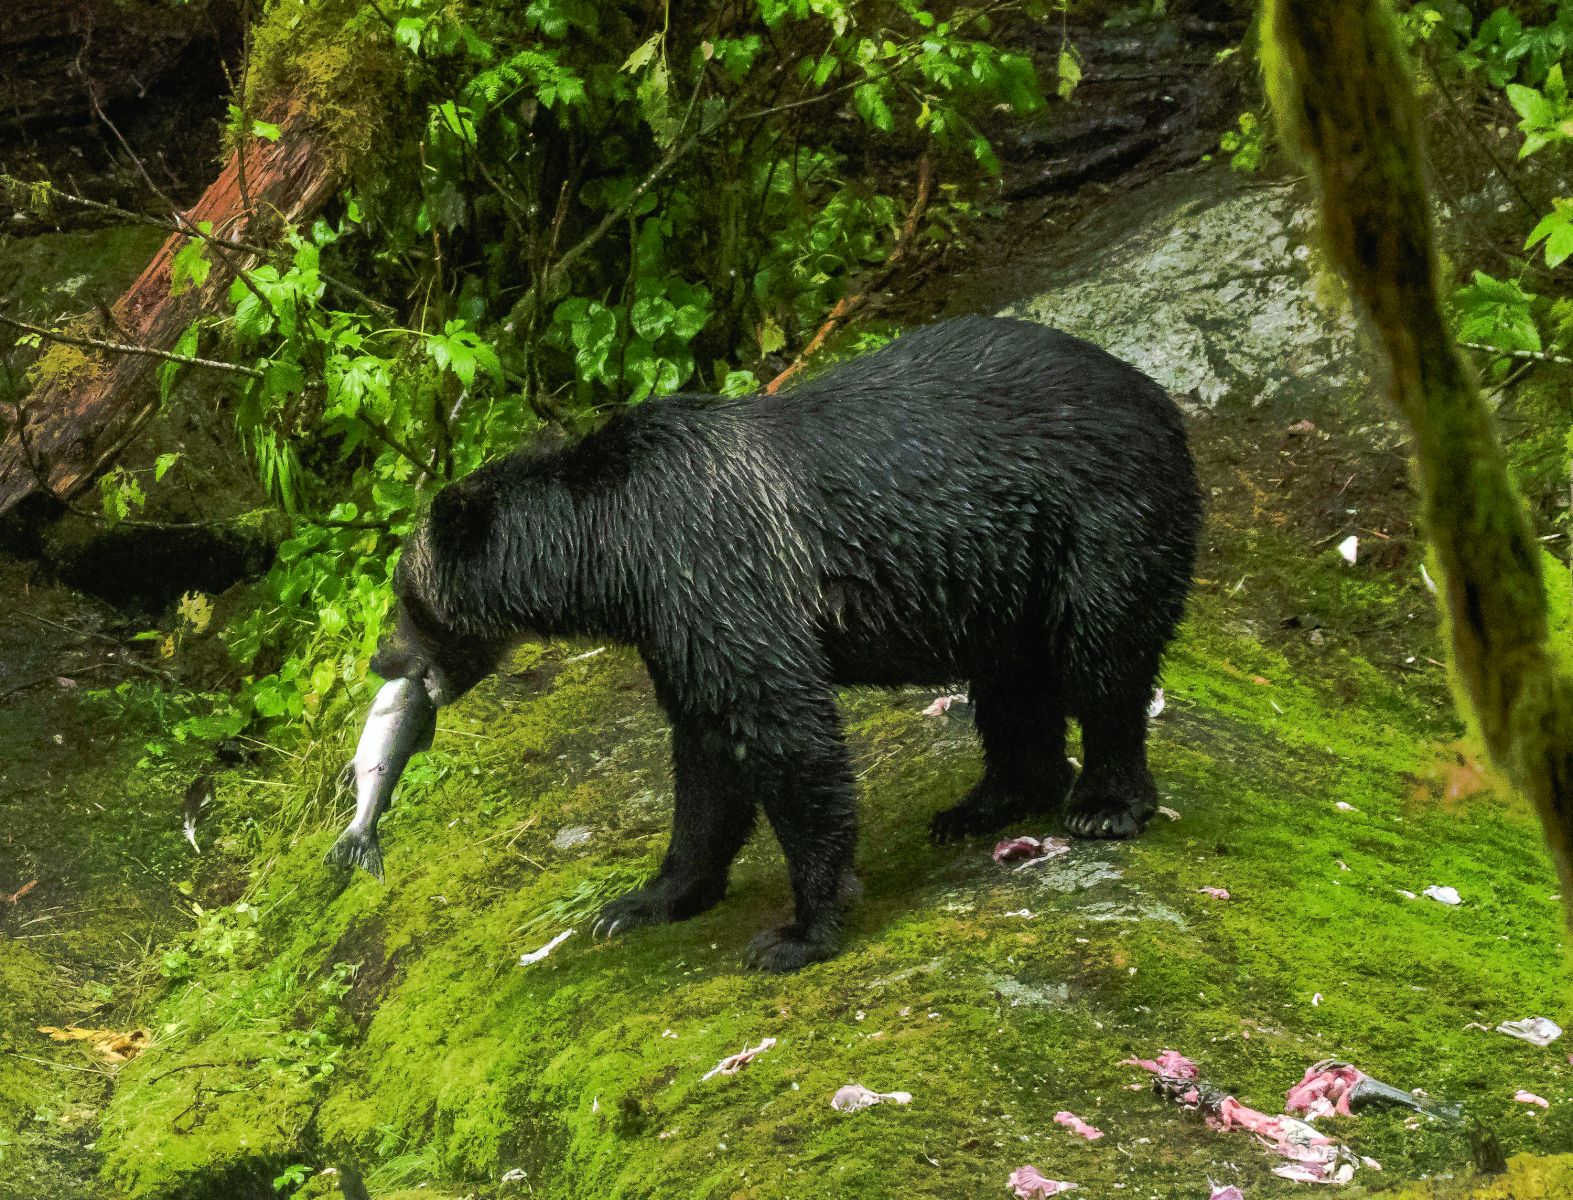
[{"x": 76, "y": 422}]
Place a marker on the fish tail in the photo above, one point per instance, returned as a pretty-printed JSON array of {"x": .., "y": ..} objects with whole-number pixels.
[{"x": 356, "y": 849}]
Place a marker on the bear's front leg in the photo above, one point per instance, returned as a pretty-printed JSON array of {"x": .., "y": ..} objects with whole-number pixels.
[
  {"x": 711, "y": 820},
  {"x": 804, "y": 781}
]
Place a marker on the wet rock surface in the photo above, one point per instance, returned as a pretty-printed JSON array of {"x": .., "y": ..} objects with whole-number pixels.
[{"x": 1206, "y": 283}]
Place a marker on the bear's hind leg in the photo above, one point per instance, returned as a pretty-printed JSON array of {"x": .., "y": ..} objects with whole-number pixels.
[
  {"x": 1021, "y": 723},
  {"x": 1115, "y": 796},
  {"x": 805, "y": 784},
  {"x": 712, "y": 818}
]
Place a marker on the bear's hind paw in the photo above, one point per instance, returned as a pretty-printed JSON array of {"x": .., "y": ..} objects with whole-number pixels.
[
  {"x": 1111, "y": 808},
  {"x": 988, "y": 808},
  {"x": 786, "y": 949}
]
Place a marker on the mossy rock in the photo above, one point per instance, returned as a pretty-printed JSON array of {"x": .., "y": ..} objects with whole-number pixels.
[{"x": 452, "y": 1065}]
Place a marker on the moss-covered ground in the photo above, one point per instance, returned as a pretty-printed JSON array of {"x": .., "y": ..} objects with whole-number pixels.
[
  {"x": 90, "y": 860},
  {"x": 387, "y": 1030}
]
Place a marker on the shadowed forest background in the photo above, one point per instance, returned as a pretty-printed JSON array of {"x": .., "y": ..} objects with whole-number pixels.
[{"x": 270, "y": 273}]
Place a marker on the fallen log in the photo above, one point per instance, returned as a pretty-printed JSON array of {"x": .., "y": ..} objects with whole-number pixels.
[{"x": 89, "y": 401}]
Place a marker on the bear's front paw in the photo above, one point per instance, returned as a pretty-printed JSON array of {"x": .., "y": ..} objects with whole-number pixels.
[
  {"x": 661, "y": 902},
  {"x": 647, "y": 906},
  {"x": 787, "y": 949},
  {"x": 1111, "y": 807}
]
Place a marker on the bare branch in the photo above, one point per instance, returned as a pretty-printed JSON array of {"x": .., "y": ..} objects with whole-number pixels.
[
  {"x": 91, "y": 343},
  {"x": 10, "y": 182},
  {"x": 850, "y": 303}
]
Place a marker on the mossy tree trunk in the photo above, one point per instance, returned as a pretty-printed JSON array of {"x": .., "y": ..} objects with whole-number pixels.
[
  {"x": 1340, "y": 87},
  {"x": 85, "y": 404}
]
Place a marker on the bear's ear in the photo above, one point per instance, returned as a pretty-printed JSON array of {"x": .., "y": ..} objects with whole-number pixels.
[{"x": 461, "y": 519}]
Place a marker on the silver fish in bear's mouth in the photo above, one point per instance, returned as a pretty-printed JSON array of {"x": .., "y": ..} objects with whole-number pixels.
[{"x": 400, "y": 724}]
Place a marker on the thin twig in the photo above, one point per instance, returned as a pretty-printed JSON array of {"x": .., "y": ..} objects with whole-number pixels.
[
  {"x": 28, "y": 685},
  {"x": 1544, "y": 356},
  {"x": 36, "y": 465},
  {"x": 54, "y": 1066},
  {"x": 245, "y": 118},
  {"x": 387, "y": 437},
  {"x": 70, "y": 339},
  {"x": 1474, "y": 135},
  {"x": 186, "y": 229},
  {"x": 850, "y": 303},
  {"x": 616, "y": 215},
  {"x": 92, "y": 96}
]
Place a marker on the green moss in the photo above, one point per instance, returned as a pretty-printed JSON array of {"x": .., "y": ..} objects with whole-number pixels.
[
  {"x": 43, "y": 274},
  {"x": 1526, "y": 1178},
  {"x": 333, "y": 61},
  {"x": 99, "y": 842},
  {"x": 26, "y": 988},
  {"x": 586, "y": 1070},
  {"x": 195, "y": 1130}
]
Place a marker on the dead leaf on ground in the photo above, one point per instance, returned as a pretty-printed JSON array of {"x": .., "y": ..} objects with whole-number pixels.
[
  {"x": 109, "y": 1044},
  {"x": 1458, "y": 775}
]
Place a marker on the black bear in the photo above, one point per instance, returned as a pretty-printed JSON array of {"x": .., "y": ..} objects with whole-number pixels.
[{"x": 984, "y": 499}]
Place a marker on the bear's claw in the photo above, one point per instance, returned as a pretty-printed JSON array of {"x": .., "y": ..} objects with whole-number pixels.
[
  {"x": 660, "y": 902},
  {"x": 1111, "y": 806},
  {"x": 633, "y": 911},
  {"x": 1120, "y": 823}
]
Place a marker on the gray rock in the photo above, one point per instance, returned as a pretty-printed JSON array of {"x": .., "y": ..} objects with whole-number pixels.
[
  {"x": 571, "y": 836},
  {"x": 1207, "y": 284}
]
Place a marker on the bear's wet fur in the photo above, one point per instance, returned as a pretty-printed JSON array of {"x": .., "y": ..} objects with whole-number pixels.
[{"x": 983, "y": 499}]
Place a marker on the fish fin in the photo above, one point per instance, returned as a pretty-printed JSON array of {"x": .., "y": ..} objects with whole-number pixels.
[{"x": 354, "y": 850}]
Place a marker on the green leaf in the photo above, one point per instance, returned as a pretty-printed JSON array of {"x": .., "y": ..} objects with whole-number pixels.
[
  {"x": 162, "y": 464},
  {"x": 739, "y": 383},
  {"x": 280, "y": 380},
  {"x": 593, "y": 338},
  {"x": 266, "y": 130},
  {"x": 644, "y": 53},
  {"x": 1497, "y": 312},
  {"x": 408, "y": 31},
  {"x": 869, "y": 99},
  {"x": 688, "y": 320},
  {"x": 169, "y": 371},
  {"x": 771, "y": 336},
  {"x": 190, "y": 266},
  {"x": 652, "y": 316},
  {"x": 1069, "y": 71},
  {"x": 655, "y": 101},
  {"x": 1556, "y": 229},
  {"x": 983, "y": 151},
  {"x": 1528, "y": 103}
]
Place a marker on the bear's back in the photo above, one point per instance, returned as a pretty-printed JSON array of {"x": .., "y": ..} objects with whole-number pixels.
[{"x": 972, "y": 476}]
